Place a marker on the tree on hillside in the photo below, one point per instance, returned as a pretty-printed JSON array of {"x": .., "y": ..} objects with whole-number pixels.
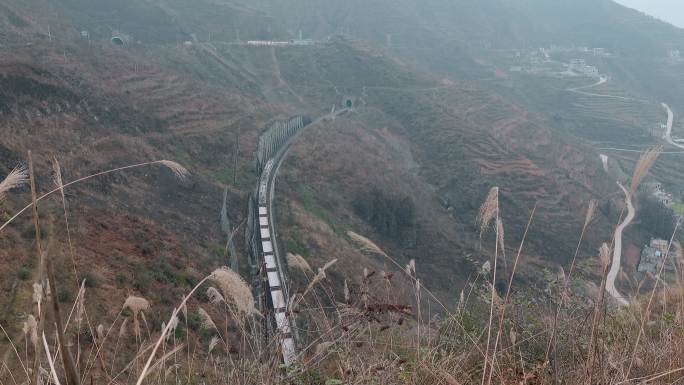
[
  {"x": 388, "y": 214},
  {"x": 656, "y": 218}
]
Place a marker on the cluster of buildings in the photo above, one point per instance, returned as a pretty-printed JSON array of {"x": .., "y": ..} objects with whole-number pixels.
[
  {"x": 292, "y": 42},
  {"x": 580, "y": 66},
  {"x": 653, "y": 255},
  {"x": 596, "y": 51},
  {"x": 540, "y": 62},
  {"x": 658, "y": 191},
  {"x": 271, "y": 43}
]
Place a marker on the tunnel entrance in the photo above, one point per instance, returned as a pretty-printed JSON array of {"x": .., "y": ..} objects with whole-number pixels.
[{"x": 116, "y": 40}]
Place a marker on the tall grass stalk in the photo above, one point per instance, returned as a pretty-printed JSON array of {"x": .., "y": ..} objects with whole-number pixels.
[
  {"x": 58, "y": 182},
  {"x": 502, "y": 313},
  {"x": 167, "y": 328},
  {"x": 16, "y": 352},
  {"x": 55, "y": 377},
  {"x": 41, "y": 264},
  {"x": 490, "y": 212},
  {"x": 566, "y": 284},
  {"x": 67, "y": 359},
  {"x": 645, "y": 315},
  {"x": 176, "y": 168},
  {"x": 368, "y": 245},
  {"x": 604, "y": 257}
]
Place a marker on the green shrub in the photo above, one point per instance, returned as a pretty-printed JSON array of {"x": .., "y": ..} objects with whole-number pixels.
[
  {"x": 194, "y": 321},
  {"x": 90, "y": 279},
  {"x": 23, "y": 273},
  {"x": 64, "y": 295},
  {"x": 121, "y": 278},
  {"x": 142, "y": 277}
]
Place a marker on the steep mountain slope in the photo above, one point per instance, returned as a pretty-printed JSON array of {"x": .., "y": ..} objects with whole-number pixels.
[
  {"x": 141, "y": 232},
  {"x": 422, "y": 131},
  {"x": 445, "y": 142}
]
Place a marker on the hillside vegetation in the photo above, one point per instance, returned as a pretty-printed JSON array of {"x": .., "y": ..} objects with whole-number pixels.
[{"x": 118, "y": 277}]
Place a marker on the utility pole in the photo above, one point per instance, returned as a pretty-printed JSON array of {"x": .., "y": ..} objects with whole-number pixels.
[{"x": 49, "y": 33}]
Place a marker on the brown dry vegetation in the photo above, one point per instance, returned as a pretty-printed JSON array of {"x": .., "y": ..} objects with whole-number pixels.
[{"x": 143, "y": 233}]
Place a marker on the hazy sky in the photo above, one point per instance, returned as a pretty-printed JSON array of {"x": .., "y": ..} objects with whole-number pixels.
[{"x": 669, "y": 10}]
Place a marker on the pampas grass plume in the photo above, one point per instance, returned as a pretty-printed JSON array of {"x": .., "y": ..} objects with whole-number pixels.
[
  {"x": 207, "y": 322},
  {"x": 489, "y": 210},
  {"x": 604, "y": 256},
  {"x": 16, "y": 178},
  {"x": 136, "y": 304},
  {"x": 234, "y": 287},
  {"x": 365, "y": 243},
  {"x": 178, "y": 170},
  {"x": 298, "y": 262},
  {"x": 644, "y": 164},
  {"x": 214, "y": 296}
]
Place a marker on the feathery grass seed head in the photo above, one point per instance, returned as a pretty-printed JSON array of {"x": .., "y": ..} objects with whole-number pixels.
[
  {"x": 365, "y": 243},
  {"x": 207, "y": 321},
  {"x": 643, "y": 166},
  {"x": 591, "y": 209},
  {"x": 32, "y": 329},
  {"x": 16, "y": 178},
  {"x": 297, "y": 261},
  {"x": 604, "y": 256},
  {"x": 37, "y": 293},
  {"x": 122, "y": 328},
  {"x": 179, "y": 171},
  {"x": 213, "y": 343},
  {"x": 214, "y": 296},
  {"x": 489, "y": 210},
  {"x": 136, "y": 304},
  {"x": 57, "y": 176},
  {"x": 234, "y": 287},
  {"x": 500, "y": 233}
]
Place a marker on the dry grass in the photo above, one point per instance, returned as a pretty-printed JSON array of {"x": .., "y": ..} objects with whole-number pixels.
[
  {"x": 296, "y": 261},
  {"x": 207, "y": 321},
  {"x": 643, "y": 166},
  {"x": 373, "y": 336},
  {"x": 489, "y": 210},
  {"x": 234, "y": 288},
  {"x": 136, "y": 304},
  {"x": 15, "y": 179},
  {"x": 179, "y": 171},
  {"x": 604, "y": 256},
  {"x": 215, "y": 296},
  {"x": 366, "y": 244}
]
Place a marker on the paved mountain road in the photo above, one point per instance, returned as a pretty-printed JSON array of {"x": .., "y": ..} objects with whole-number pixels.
[{"x": 617, "y": 251}]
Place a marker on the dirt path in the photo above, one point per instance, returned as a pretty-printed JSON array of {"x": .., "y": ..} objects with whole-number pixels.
[
  {"x": 602, "y": 80},
  {"x": 668, "y": 131},
  {"x": 617, "y": 251}
]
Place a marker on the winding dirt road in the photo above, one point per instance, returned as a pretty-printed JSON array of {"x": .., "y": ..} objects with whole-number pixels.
[
  {"x": 602, "y": 79},
  {"x": 617, "y": 251},
  {"x": 668, "y": 131}
]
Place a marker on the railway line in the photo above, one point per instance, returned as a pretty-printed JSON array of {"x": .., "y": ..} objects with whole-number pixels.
[{"x": 269, "y": 276}]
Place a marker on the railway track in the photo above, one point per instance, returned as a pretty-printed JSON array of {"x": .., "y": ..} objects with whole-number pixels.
[{"x": 269, "y": 276}]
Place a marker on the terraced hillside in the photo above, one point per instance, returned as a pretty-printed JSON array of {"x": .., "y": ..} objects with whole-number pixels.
[{"x": 435, "y": 124}]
